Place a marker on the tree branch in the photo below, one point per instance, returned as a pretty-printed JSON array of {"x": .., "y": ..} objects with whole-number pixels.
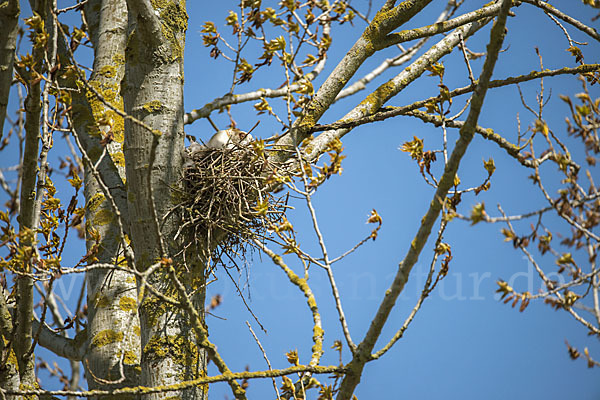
[
  {"x": 72, "y": 349},
  {"x": 388, "y": 112},
  {"x": 404, "y": 57},
  {"x": 150, "y": 24},
  {"x": 441, "y": 27},
  {"x": 486, "y": 133},
  {"x": 230, "y": 99},
  {"x": 9, "y": 18},
  {"x": 317, "y": 349},
  {"x": 27, "y": 220},
  {"x": 363, "y": 354},
  {"x": 181, "y": 385},
  {"x": 568, "y": 19},
  {"x": 428, "y": 287},
  {"x": 374, "y": 101},
  {"x": 383, "y": 23}
]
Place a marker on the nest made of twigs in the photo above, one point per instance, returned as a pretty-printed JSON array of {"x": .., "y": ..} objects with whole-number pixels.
[{"x": 225, "y": 199}]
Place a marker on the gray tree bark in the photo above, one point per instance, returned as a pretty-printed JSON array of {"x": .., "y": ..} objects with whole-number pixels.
[
  {"x": 153, "y": 95},
  {"x": 113, "y": 337}
]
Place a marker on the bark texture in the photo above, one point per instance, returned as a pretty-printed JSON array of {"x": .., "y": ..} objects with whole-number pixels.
[{"x": 113, "y": 340}]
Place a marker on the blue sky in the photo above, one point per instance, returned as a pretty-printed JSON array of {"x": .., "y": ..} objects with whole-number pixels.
[{"x": 464, "y": 343}]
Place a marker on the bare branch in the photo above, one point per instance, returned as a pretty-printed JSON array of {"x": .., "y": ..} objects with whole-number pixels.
[
  {"x": 230, "y": 99},
  {"x": 9, "y": 18},
  {"x": 402, "y": 58},
  {"x": 389, "y": 111},
  {"x": 466, "y": 135},
  {"x": 424, "y": 294},
  {"x": 72, "y": 349},
  {"x": 441, "y": 27},
  {"x": 567, "y": 18},
  {"x": 181, "y": 385},
  {"x": 382, "y": 24},
  {"x": 550, "y": 285},
  {"x": 264, "y": 353},
  {"x": 374, "y": 101},
  {"x": 327, "y": 263},
  {"x": 489, "y": 134},
  {"x": 317, "y": 350}
]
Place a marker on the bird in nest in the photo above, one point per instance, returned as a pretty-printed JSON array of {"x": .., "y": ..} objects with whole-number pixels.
[{"x": 224, "y": 139}]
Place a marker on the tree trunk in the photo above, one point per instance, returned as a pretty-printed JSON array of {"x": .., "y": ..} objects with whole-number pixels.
[
  {"x": 112, "y": 358},
  {"x": 154, "y": 143}
]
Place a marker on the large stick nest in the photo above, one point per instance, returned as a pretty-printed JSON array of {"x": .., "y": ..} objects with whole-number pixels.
[{"x": 226, "y": 199}]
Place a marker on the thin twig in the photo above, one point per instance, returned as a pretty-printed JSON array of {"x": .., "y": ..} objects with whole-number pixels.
[{"x": 264, "y": 353}]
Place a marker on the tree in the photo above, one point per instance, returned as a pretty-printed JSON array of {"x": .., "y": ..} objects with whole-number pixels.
[{"x": 160, "y": 221}]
